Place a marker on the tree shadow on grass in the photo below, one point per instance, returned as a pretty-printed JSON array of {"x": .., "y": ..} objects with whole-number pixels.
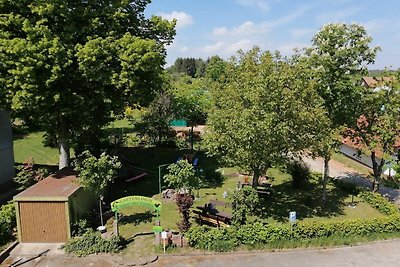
[
  {"x": 307, "y": 202},
  {"x": 137, "y": 218}
]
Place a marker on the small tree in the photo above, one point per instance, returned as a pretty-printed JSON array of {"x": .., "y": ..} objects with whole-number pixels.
[
  {"x": 182, "y": 176},
  {"x": 27, "y": 174},
  {"x": 244, "y": 202},
  {"x": 95, "y": 173},
  {"x": 184, "y": 202}
]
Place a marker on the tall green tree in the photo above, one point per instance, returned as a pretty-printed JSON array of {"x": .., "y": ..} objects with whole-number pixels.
[
  {"x": 68, "y": 65},
  {"x": 339, "y": 55},
  {"x": 378, "y": 128},
  {"x": 265, "y": 110}
]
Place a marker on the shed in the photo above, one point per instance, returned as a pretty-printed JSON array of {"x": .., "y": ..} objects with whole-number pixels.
[{"x": 46, "y": 210}]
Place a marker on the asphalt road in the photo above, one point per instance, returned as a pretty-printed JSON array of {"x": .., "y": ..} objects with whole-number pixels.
[{"x": 385, "y": 254}]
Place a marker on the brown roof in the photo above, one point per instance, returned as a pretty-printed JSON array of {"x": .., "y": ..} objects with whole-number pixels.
[
  {"x": 373, "y": 82},
  {"x": 58, "y": 186}
]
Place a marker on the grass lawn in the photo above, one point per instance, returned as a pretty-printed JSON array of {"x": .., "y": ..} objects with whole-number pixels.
[
  {"x": 305, "y": 201},
  {"x": 31, "y": 146}
]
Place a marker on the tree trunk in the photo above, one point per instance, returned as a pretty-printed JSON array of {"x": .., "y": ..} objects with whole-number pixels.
[
  {"x": 377, "y": 168},
  {"x": 256, "y": 175},
  {"x": 64, "y": 151},
  {"x": 325, "y": 179},
  {"x": 191, "y": 139}
]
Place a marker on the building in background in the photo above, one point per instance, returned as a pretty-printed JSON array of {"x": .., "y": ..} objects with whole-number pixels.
[{"x": 7, "y": 170}]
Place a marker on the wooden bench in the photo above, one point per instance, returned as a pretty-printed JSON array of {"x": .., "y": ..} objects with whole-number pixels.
[{"x": 214, "y": 220}]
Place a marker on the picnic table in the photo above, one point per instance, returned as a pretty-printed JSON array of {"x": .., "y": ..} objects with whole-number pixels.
[{"x": 209, "y": 215}]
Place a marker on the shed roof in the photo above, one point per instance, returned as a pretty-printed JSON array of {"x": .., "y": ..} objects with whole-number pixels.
[{"x": 57, "y": 187}]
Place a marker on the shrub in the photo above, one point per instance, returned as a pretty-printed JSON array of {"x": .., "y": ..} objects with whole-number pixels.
[
  {"x": 379, "y": 202},
  {"x": 7, "y": 222},
  {"x": 92, "y": 243},
  {"x": 244, "y": 202},
  {"x": 299, "y": 171},
  {"x": 184, "y": 202},
  {"x": 27, "y": 174},
  {"x": 349, "y": 188},
  {"x": 258, "y": 233}
]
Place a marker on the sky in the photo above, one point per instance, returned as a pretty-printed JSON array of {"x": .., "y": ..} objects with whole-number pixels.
[{"x": 221, "y": 27}]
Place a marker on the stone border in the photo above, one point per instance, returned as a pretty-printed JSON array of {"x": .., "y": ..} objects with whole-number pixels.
[{"x": 6, "y": 252}]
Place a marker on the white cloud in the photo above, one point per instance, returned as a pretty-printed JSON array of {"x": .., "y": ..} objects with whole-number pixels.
[
  {"x": 183, "y": 19},
  {"x": 261, "y": 4},
  {"x": 226, "y": 49},
  {"x": 337, "y": 15},
  {"x": 250, "y": 28}
]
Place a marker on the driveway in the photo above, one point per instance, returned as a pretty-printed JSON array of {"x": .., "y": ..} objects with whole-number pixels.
[{"x": 341, "y": 171}]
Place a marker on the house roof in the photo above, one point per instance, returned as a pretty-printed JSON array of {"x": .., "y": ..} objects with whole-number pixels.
[
  {"x": 57, "y": 187},
  {"x": 358, "y": 145},
  {"x": 372, "y": 82}
]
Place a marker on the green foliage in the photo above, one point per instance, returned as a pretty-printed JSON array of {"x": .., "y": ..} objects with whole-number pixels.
[
  {"x": 95, "y": 173},
  {"x": 347, "y": 187},
  {"x": 299, "y": 171},
  {"x": 155, "y": 120},
  {"x": 92, "y": 243},
  {"x": 208, "y": 238},
  {"x": 27, "y": 175},
  {"x": 244, "y": 203},
  {"x": 68, "y": 66},
  {"x": 189, "y": 66},
  {"x": 7, "y": 222},
  {"x": 265, "y": 108},
  {"x": 80, "y": 227},
  {"x": 379, "y": 202},
  {"x": 182, "y": 176}
]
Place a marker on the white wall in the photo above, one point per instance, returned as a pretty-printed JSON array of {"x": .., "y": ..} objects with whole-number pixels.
[
  {"x": 362, "y": 158},
  {"x": 7, "y": 170}
]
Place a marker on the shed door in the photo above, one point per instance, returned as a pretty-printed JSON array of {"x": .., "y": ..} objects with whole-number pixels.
[{"x": 43, "y": 222}]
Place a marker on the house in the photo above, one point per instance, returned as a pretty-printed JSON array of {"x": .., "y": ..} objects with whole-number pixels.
[
  {"x": 354, "y": 150},
  {"x": 7, "y": 170}
]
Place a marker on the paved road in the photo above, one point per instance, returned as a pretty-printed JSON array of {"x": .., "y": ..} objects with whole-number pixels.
[
  {"x": 385, "y": 254},
  {"x": 341, "y": 171},
  {"x": 378, "y": 254}
]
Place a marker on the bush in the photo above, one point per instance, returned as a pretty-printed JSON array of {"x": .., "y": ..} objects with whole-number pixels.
[
  {"x": 224, "y": 239},
  {"x": 379, "y": 202},
  {"x": 349, "y": 188},
  {"x": 27, "y": 175},
  {"x": 92, "y": 243},
  {"x": 7, "y": 222},
  {"x": 299, "y": 171}
]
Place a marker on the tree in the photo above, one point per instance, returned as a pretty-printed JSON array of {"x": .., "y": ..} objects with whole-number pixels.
[
  {"x": 339, "y": 55},
  {"x": 156, "y": 118},
  {"x": 264, "y": 111},
  {"x": 244, "y": 202},
  {"x": 191, "y": 102},
  {"x": 182, "y": 176},
  {"x": 28, "y": 175},
  {"x": 378, "y": 128},
  {"x": 68, "y": 65},
  {"x": 96, "y": 173},
  {"x": 184, "y": 203},
  {"x": 215, "y": 68}
]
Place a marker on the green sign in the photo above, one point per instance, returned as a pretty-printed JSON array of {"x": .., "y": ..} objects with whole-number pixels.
[
  {"x": 136, "y": 201},
  {"x": 157, "y": 229}
]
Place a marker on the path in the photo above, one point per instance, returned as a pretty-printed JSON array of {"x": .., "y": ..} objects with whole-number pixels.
[{"x": 341, "y": 171}]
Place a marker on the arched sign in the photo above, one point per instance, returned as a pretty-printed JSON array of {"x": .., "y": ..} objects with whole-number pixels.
[{"x": 136, "y": 201}]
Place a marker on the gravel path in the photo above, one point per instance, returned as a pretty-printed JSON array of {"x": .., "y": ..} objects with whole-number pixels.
[{"x": 341, "y": 171}]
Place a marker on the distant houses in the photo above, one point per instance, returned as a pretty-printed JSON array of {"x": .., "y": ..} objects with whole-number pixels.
[
  {"x": 7, "y": 170},
  {"x": 354, "y": 150}
]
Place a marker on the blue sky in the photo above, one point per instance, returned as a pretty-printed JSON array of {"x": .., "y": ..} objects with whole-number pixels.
[{"x": 221, "y": 27}]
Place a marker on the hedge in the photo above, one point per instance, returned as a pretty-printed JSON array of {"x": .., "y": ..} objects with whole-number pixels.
[
  {"x": 225, "y": 239},
  {"x": 7, "y": 222}
]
